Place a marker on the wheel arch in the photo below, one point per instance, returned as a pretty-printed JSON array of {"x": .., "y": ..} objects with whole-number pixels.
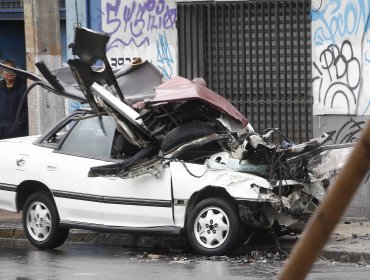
[
  {"x": 27, "y": 188},
  {"x": 208, "y": 191}
]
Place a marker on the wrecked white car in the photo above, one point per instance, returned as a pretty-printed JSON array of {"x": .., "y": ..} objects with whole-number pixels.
[{"x": 156, "y": 158}]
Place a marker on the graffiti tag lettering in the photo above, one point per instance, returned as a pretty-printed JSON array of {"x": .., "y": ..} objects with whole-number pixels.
[
  {"x": 116, "y": 62},
  {"x": 164, "y": 57},
  {"x": 339, "y": 18},
  {"x": 141, "y": 28},
  {"x": 349, "y": 132},
  {"x": 137, "y": 21},
  {"x": 341, "y": 71}
]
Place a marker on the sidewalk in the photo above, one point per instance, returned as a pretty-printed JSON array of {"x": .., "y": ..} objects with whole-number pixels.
[{"x": 350, "y": 240}]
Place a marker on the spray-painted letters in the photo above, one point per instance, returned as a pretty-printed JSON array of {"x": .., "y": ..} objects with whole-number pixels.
[
  {"x": 141, "y": 28},
  {"x": 349, "y": 132},
  {"x": 338, "y": 28},
  {"x": 338, "y": 78}
]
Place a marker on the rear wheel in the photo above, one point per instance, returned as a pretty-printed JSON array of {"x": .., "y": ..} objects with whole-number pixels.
[
  {"x": 214, "y": 227},
  {"x": 41, "y": 222}
]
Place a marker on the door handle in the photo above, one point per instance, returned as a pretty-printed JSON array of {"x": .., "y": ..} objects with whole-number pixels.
[{"x": 51, "y": 167}]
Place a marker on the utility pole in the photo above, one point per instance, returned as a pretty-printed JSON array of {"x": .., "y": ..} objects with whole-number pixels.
[{"x": 42, "y": 36}]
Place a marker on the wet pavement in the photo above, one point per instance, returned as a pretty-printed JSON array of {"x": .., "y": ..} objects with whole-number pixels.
[
  {"x": 19, "y": 260},
  {"x": 349, "y": 243}
]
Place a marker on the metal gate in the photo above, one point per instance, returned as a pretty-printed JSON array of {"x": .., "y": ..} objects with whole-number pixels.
[{"x": 255, "y": 53}]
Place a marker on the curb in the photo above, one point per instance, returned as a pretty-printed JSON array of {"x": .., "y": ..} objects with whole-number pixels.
[
  {"x": 346, "y": 257},
  {"x": 112, "y": 239},
  {"x": 12, "y": 233}
]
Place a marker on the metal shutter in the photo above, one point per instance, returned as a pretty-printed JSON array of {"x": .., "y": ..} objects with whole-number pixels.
[{"x": 255, "y": 53}]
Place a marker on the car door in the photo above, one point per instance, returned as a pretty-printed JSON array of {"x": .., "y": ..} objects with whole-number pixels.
[
  {"x": 111, "y": 201},
  {"x": 142, "y": 201}
]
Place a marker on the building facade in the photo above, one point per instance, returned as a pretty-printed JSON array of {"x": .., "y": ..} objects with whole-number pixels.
[{"x": 12, "y": 44}]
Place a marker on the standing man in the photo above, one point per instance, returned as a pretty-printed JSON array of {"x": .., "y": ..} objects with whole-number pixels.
[{"x": 13, "y": 107}]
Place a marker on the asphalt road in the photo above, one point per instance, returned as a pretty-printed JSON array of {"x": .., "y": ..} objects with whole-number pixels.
[{"x": 18, "y": 260}]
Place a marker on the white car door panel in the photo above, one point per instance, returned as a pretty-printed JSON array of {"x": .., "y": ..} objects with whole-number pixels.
[
  {"x": 142, "y": 201},
  {"x": 77, "y": 196}
]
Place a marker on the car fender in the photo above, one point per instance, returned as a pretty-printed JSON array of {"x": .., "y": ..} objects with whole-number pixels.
[
  {"x": 21, "y": 161},
  {"x": 188, "y": 178}
]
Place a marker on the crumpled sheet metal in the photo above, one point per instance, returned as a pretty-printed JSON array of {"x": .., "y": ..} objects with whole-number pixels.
[
  {"x": 328, "y": 162},
  {"x": 224, "y": 161}
]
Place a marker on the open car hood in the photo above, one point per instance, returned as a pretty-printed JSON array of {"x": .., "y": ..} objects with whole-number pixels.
[
  {"x": 129, "y": 78},
  {"x": 180, "y": 89}
]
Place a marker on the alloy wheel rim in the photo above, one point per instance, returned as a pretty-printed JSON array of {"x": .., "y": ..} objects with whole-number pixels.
[
  {"x": 211, "y": 227},
  {"x": 38, "y": 221}
]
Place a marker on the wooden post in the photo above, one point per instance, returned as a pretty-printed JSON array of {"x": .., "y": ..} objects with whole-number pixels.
[{"x": 329, "y": 212}]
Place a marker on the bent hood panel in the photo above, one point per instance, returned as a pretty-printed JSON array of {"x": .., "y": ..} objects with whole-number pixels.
[
  {"x": 194, "y": 177},
  {"x": 179, "y": 88},
  {"x": 330, "y": 161}
]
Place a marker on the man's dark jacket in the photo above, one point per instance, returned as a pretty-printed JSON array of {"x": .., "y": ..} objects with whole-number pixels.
[{"x": 10, "y": 100}]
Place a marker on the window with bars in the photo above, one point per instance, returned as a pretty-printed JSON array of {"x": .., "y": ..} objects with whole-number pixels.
[
  {"x": 18, "y": 4},
  {"x": 8, "y": 4},
  {"x": 255, "y": 53}
]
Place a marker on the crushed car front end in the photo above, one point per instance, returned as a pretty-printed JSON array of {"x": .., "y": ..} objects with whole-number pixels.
[{"x": 186, "y": 125}]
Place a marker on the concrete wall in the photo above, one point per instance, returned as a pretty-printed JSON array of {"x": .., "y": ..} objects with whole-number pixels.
[
  {"x": 341, "y": 76},
  {"x": 142, "y": 28}
]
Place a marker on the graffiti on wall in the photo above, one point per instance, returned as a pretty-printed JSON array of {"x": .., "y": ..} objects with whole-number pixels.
[
  {"x": 348, "y": 132},
  {"x": 365, "y": 108},
  {"x": 336, "y": 19},
  {"x": 338, "y": 29},
  {"x": 141, "y": 28},
  {"x": 338, "y": 78}
]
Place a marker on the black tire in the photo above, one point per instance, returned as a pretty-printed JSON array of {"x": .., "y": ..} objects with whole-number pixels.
[
  {"x": 41, "y": 222},
  {"x": 213, "y": 227},
  {"x": 185, "y": 133}
]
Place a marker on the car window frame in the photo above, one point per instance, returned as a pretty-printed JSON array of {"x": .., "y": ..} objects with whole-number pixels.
[
  {"x": 41, "y": 141},
  {"x": 110, "y": 133},
  {"x": 75, "y": 116}
]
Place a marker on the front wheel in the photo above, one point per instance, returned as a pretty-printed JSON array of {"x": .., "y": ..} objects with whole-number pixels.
[
  {"x": 41, "y": 222},
  {"x": 214, "y": 227}
]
